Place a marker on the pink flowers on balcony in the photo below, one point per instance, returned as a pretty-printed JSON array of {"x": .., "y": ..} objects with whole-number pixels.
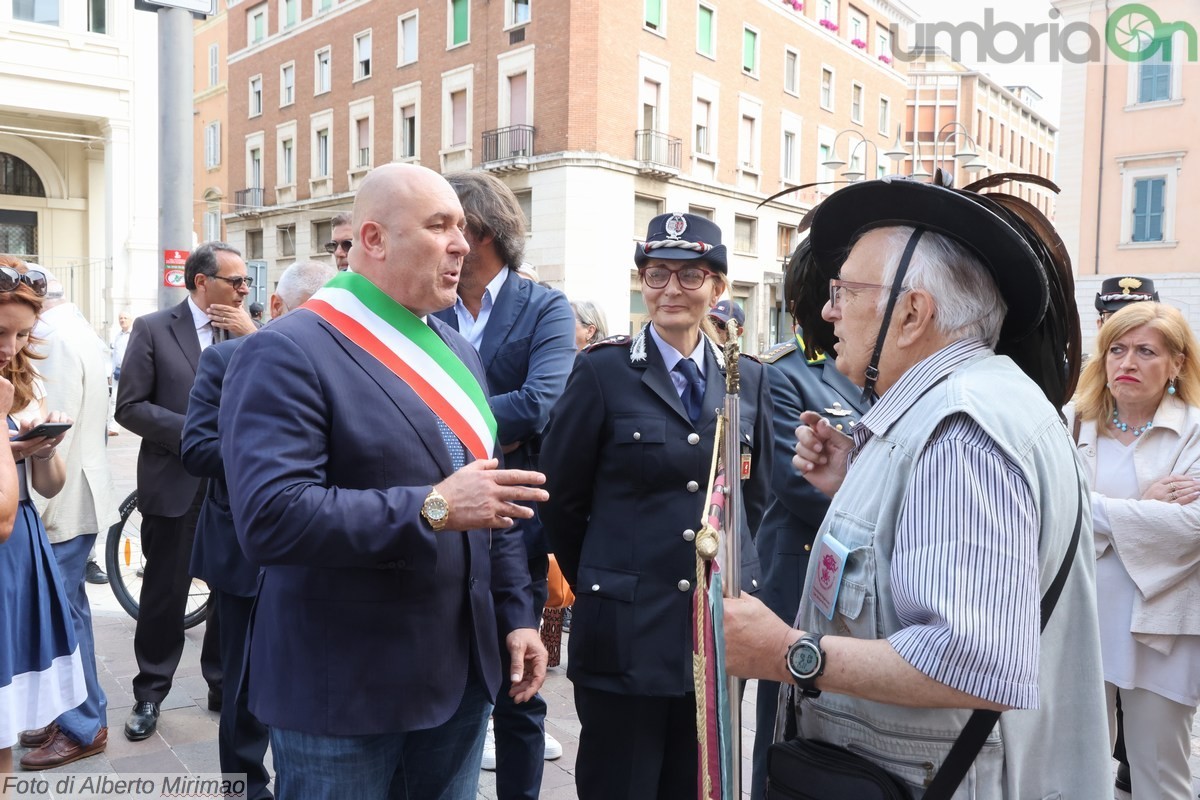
[
  {"x": 885, "y": 58},
  {"x": 829, "y": 24},
  {"x": 859, "y": 43},
  {"x": 795, "y": 4}
]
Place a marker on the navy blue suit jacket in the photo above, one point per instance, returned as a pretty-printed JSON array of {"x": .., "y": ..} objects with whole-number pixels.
[
  {"x": 627, "y": 471},
  {"x": 367, "y": 621},
  {"x": 797, "y": 509},
  {"x": 527, "y": 351},
  {"x": 217, "y": 557}
]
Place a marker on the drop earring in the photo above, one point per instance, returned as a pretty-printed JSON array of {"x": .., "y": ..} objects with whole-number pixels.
[{"x": 1171, "y": 386}]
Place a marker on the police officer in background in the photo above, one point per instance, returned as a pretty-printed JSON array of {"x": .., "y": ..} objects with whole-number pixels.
[
  {"x": 797, "y": 383},
  {"x": 627, "y": 458}
]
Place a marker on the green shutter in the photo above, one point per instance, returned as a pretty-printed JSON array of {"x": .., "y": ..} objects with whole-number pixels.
[
  {"x": 749, "y": 48},
  {"x": 653, "y": 14},
  {"x": 462, "y": 28},
  {"x": 704, "y": 40}
]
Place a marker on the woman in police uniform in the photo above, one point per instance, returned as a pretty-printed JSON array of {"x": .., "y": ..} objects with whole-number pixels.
[{"x": 627, "y": 457}]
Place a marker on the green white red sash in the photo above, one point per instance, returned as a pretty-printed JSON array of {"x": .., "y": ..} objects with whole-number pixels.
[{"x": 404, "y": 344}]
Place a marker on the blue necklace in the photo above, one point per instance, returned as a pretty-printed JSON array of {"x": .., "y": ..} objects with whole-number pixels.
[{"x": 1124, "y": 426}]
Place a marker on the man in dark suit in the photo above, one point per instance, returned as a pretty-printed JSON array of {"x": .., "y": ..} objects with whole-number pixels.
[
  {"x": 156, "y": 377},
  {"x": 366, "y": 488},
  {"x": 794, "y": 515},
  {"x": 217, "y": 557},
  {"x": 525, "y": 335}
]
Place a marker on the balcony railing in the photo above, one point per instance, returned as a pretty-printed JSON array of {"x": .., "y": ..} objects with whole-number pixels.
[
  {"x": 657, "y": 153},
  {"x": 512, "y": 146},
  {"x": 247, "y": 200}
]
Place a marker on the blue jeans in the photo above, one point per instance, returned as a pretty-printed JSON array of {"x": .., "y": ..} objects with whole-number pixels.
[
  {"x": 83, "y": 722},
  {"x": 441, "y": 763}
]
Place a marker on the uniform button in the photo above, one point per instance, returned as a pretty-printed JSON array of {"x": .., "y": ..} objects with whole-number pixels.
[
  {"x": 595, "y": 587},
  {"x": 693, "y": 438},
  {"x": 807, "y": 548},
  {"x": 689, "y": 535},
  {"x": 683, "y": 586},
  {"x": 637, "y": 436},
  {"x": 839, "y": 426},
  {"x": 692, "y": 486},
  {"x": 837, "y": 405},
  {"x": 754, "y": 582}
]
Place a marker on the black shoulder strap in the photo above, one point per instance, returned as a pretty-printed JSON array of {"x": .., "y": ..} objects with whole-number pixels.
[{"x": 975, "y": 732}]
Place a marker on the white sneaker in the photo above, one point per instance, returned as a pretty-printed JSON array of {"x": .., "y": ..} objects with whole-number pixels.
[
  {"x": 553, "y": 749},
  {"x": 489, "y": 750}
]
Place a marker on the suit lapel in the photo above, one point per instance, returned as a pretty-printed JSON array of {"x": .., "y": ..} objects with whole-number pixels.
[
  {"x": 412, "y": 407},
  {"x": 714, "y": 388},
  {"x": 507, "y": 306},
  {"x": 183, "y": 328},
  {"x": 657, "y": 379}
]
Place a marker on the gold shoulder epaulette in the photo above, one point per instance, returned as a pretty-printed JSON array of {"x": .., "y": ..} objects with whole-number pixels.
[{"x": 777, "y": 352}]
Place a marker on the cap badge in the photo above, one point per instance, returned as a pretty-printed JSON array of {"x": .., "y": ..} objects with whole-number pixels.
[
  {"x": 675, "y": 226},
  {"x": 1129, "y": 283}
]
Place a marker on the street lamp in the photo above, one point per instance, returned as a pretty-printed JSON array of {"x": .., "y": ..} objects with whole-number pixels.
[{"x": 835, "y": 163}]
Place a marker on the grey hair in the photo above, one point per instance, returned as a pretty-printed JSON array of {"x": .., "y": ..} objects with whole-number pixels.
[
  {"x": 343, "y": 218},
  {"x": 967, "y": 301},
  {"x": 301, "y": 280},
  {"x": 588, "y": 313}
]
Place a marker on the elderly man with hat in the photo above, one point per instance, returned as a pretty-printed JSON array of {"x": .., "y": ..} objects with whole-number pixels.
[
  {"x": 952, "y": 578},
  {"x": 627, "y": 456}
]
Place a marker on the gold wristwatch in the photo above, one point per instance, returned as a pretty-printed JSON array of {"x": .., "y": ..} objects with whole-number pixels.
[{"x": 435, "y": 510}]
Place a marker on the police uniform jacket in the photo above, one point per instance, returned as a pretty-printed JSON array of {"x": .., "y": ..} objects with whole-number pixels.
[
  {"x": 627, "y": 473},
  {"x": 796, "y": 509}
]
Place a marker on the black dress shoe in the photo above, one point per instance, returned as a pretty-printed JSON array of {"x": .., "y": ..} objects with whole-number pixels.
[
  {"x": 1122, "y": 781},
  {"x": 143, "y": 720},
  {"x": 93, "y": 574},
  {"x": 214, "y": 700}
]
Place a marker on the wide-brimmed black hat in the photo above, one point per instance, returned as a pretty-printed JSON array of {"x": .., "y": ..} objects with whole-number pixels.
[
  {"x": 1117, "y": 293},
  {"x": 852, "y": 211},
  {"x": 682, "y": 237}
]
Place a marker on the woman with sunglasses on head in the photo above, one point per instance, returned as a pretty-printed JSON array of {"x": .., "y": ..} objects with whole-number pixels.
[
  {"x": 41, "y": 674},
  {"x": 627, "y": 456}
]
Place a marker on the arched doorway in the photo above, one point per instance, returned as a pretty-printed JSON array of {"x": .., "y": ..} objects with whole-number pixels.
[{"x": 18, "y": 228}]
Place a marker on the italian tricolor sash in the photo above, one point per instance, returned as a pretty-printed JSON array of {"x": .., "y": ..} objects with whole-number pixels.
[{"x": 404, "y": 344}]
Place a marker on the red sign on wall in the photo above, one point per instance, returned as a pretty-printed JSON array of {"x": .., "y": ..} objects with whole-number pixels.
[{"x": 173, "y": 261}]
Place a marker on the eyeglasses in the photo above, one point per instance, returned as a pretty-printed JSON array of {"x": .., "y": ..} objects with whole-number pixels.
[
  {"x": 334, "y": 246},
  {"x": 236, "y": 282},
  {"x": 688, "y": 277},
  {"x": 35, "y": 279},
  {"x": 836, "y": 287}
]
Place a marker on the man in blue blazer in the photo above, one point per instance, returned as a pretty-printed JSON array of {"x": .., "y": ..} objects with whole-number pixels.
[
  {"x": 525, "y": 335},
  {"x": 791, "y": 521},
  {"x": 217, "y": 558},
  {"x": 362, "y": 485}
]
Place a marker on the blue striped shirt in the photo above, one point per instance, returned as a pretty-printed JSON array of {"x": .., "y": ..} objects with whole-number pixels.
[{"x": 964, "y": 571}]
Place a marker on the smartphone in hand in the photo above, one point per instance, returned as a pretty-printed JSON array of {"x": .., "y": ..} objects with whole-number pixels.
[{"x": 47, "y": 429}]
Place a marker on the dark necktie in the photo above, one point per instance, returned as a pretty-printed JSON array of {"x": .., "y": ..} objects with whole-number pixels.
[
  {"x": 458, "y": 456},
  {"x": 692, "y": 394},
  {"x": 219, "y": 335}
]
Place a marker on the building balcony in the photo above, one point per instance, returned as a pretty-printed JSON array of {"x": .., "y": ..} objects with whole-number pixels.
[
  {"x": 247, "y": 201},
  {"x": 657, "y": 153},
  {"x": 508, "y": 149}
]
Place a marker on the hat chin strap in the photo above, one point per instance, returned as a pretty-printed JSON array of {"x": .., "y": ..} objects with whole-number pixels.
[{"x": 872, "y": 372}]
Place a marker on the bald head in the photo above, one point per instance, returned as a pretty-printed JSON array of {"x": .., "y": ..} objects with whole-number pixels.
[{"x": 409, "y": 241}]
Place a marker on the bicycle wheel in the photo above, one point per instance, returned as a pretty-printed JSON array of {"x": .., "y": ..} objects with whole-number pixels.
[{"x": 125, "y": 562}]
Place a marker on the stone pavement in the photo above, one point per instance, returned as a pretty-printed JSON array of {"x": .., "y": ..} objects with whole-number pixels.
[{"x": 187, "y": 732}]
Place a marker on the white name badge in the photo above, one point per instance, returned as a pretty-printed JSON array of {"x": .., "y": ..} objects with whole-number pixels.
[{"x": 831, "y": 563}]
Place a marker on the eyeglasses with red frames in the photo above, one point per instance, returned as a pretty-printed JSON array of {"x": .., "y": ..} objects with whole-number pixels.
[
  {"x": 343, "y": 245},
  {"x": 688, "y": 277},
  {"x": 35, "y": 279},
  {"x": 838, "y": 286}
]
